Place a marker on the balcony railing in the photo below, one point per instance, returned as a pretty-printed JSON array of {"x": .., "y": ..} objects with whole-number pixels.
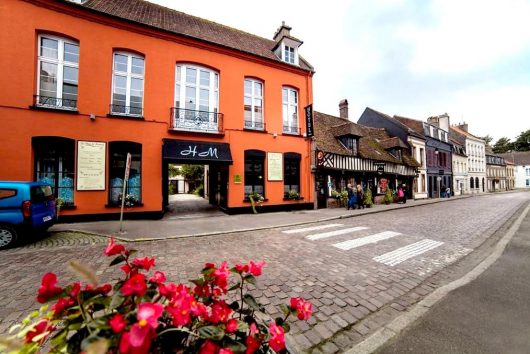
[
  {"x": 196, "y": 121},
  {"x": 254, "y": 125},
  {"x": 292, "y": 130},
  {"x": 54, "y": 102},
  {"x": 116, "y": 109}
]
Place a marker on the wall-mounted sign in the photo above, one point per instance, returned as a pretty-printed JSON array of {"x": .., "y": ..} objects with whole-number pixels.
[
  {"x": 91, "y": 162},
  {"x": 197, "y": 151},
  {"x": 274, "y": 166},
  {"x": 309, "y": 120},
  {"x": 237, "y": 179},
  {"x": 380, "y": 167}
]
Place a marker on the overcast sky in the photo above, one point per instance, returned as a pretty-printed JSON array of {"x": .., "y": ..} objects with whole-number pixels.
[{"x": 469, "y": 58}]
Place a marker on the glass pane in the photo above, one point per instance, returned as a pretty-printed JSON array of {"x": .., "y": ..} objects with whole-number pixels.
[
  {"x": 205, "y": 78},
  {"x": 204, "y": 99},
  {"x": 293, "y": 99},
  {"x": 284, "y": 95},
  {"x": 179, "y": 73},
  {"x": 69, "y": 92},
  {"x": 137, "y": 84},
  {"x": 120, "y": 63},
  {"x": 120, "y": 83},
  {"x": 71, "y": 53},
  {"x": 70, "y": 75},
  {"x": 190, "y": 98},
  {"x": 137, "y": 66},
  {"x": 48, "y": 80},
  {"x": 49, "y": 48},
  {"x": 216, "y": 81},
  {"x": 191, "y": 76},
  {"x": 258, "y": 89},
  {"x": 248, "y": 87},
  {"x": 177, "y": 96}
]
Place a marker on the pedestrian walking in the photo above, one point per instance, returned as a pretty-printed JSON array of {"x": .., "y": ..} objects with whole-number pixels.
[
  {"x": 351, "y": 197},
  {"x": 360, "y": 197},
  {"x": 448, "y": 192}
]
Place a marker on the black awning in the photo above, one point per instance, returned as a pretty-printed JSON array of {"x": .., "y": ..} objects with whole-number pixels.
[{"x": 188, "y": 151}]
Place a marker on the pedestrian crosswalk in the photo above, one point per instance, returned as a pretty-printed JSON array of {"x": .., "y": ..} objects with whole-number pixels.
[{"x": 356, "y": 239}]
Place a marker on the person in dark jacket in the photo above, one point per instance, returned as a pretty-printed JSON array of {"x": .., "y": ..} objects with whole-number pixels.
[
  {"x": 360, "y": 197},
  {"x": 351, "y": 197}
]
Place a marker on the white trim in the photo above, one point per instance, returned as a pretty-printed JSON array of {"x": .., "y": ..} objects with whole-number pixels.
[{"x": 129, "y": 75}]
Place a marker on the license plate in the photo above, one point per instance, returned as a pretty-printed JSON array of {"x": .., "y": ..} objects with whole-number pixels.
[{"x": 46, "y": 218}]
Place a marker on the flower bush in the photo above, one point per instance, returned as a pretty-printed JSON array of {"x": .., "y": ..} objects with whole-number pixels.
[
  {"x": 292, "y": 194},
  {"x": 144, "y": 313},
  {"x": 256, "y": 199},
  {"x": 130, "y": 200}
]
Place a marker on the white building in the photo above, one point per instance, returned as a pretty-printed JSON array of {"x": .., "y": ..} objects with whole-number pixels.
[
  {"x": 521, "y": 162},
  {"x": 460, "y": 169}
]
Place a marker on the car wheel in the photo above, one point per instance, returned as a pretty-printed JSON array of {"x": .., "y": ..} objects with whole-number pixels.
[{"x": 8, "y": 236}]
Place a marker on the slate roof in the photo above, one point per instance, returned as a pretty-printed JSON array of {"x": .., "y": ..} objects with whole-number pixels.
[
  {"x": 457, "y": 136},
  {"x": 393, "y": 142},
  {"x": 463, "y": 132},
  {"x": 176, "y": 22},
  {"x": 519, "y": 158},
  {"x": 413, "y": 124},
  {"x": 369, "y": 146}
]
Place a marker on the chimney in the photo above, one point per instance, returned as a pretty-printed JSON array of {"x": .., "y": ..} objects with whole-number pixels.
[
  {"x": 463, "y": 126},
  {"x": 343, "y": 109},
  {"x": 283, "y": 31},
  {"x": 441, "y": 121}
]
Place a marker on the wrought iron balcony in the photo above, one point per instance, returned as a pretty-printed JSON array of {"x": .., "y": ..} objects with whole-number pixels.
[
  {"x": 292, "y": 130},
  {"x": 196, "y": 121},
  {"x": 54, "y": 102},
  {"x": 116, "y": 109},
  {"x": 254, "y": 125}
]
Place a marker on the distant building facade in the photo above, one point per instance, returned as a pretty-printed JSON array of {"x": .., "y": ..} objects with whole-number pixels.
[{"x": 521, "y": 166}]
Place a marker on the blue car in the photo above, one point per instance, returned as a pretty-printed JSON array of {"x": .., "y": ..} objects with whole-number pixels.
[{"x": 25, "y": 208}]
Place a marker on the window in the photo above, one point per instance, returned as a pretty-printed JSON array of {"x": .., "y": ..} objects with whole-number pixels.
[
  {"x": 127, "y": 84},
  {"x": 54, "y": 164},
  {"x": 472, "y": 183},
  {"x": 528, "y": 171},
  {"x": 288, "y": 54},
  {"x": 253, "y": 104},
  {"x": 291, "y": 171},
  {"x": 58, "y": 67},
  {"x": 422, "y": 153},
  {"x": 117, "y": 160},
  {"x": 254, "y": 171},
  {"x": 528, "y": 182},
  {"x": 290, "y": 110},
  {"x": 350, "y": 143}
]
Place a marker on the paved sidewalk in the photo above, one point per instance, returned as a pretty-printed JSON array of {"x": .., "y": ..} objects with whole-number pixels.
[{"x": 194, "y": 225}]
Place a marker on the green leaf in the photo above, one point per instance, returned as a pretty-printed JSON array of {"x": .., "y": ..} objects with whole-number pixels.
[
  {"x": 252, "y": 303},
  {"x": 117, "y": 260},
  {"x": 242, "y": 326},
  {"x": 250, "y": 279},
  {"x": 236, "y": 347},
  {"x": 285, "y": 309},
  {"x": 235, "y": 286},
  {"x": 59, "y": 337},
  {"x": 279, "y": 321},
  {"x": 117, "y": 301},
  {"x": 286, "y": 327},
  {"x": 234, "y": 305},
  {"x": 198, "y": 282},
  {"x": 211, "y": 332}
]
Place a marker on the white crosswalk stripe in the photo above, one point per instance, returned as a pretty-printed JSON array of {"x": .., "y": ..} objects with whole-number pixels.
[
  {"x": 348, "y": 245},
  {"x": 312, "y": 228},
  {"x": 402, "y": 254},
  {"x": 334, "y": 233}
]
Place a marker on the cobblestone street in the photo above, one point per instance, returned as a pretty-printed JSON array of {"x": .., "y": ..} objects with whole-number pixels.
[{"x": 359, "y": 272}]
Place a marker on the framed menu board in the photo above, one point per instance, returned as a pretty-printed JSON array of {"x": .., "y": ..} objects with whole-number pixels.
[
  {"x": 274, "y": 166},
  {"x": 91, "y": 162}
]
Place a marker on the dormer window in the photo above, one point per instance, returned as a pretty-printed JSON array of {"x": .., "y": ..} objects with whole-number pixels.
[
  {"x": 288, "y": 54},
  {"x": 286, "y": 48},
  {"x": 350, "y": 143}
]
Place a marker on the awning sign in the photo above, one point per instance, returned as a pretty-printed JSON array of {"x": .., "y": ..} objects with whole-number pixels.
[{"x": 196, "y": 151}]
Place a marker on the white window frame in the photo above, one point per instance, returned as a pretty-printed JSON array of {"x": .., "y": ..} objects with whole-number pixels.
[
  {"x": 286, "y": 54},
  {"x": 253, "y": 96},
  {"x": 290, "y": 122},
  {"x": 213, "y": 95},
  {"x": 61, "y": 63},
  {"x": 129, "y": 75}
]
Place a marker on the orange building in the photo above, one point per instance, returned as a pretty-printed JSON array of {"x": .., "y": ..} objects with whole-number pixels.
[{"x": 87, "y": 82}]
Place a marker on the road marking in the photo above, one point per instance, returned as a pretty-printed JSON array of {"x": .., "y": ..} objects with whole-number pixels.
[
  {"x": 404, "y": 253},
  {"x": 312, "y": 228},
  {"x": 348, "y": 245},
  {"x": 334, "y": 233}
]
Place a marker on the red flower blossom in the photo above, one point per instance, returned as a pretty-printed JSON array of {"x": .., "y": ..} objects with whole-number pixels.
[
  {"x": 208, "y": 347},
  {"x": 41, "y": 327},
  {"x": 220, "y": 312},
  {"x": 144, "y": 263},
  {"x": 168, "y": 290},
  {"x": 241, "y": 268},
  {"x": 255, "y": 268},
  {"x": 303, "y": 308},
  {"x": 104, "y": 289},
  {"x": 202, "y": 290},
  {"x": 180, "y": 310},
  {"x": 225, "y": 351},
  {"x": 135, "y": 285},
  {"x": 113, "y": 248},
  {"x": 137, "y": 341},
  {"x": 158, "y": 278},
  {"x": 231, "y": 325},
  {"x": 198, "y": 309},
  {"x": 48, "y": 288},
  {"x": 221, "y": 276},
  {"x": 209, "y": 265},
  {"x": 76, "y": 288},
  {"x": 252, "y": 344},
  {"x": 117, "y": 323},
  {"x": 148, "y": 314},
  {"x": 62, "y": 304},
  {"x": 277, "y": 340}
]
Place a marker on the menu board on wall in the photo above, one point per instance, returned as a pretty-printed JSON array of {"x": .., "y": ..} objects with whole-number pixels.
[
  {"x": 274, "y": 166},
  {"x": 91, "y": 165}
]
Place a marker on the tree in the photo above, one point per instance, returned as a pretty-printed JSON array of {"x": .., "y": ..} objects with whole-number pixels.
[
  {"x": 193, "y": 174},
  {"x": 522, "y": 143},
  {"x": 503, "y": 145},
  {"x": 488, "y": 139},
  {"x": 173, "y": 170}
]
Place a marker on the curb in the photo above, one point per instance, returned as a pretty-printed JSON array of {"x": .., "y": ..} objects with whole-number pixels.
[{"x": 396, "y": 326}]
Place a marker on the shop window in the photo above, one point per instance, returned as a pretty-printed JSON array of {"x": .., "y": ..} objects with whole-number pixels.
[
  {"x": 291, "y": 171},
  {"x": 254, "y": 172},
  {"x": 290, "y": 110},
  {"x": 54, "y": 164},
  {"x": 58, "y": 68},
  {"x": 117, "y": 161},
  {"x": 127, "y": 84}
]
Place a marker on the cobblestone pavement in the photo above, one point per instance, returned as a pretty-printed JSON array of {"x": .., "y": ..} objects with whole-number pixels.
[{"x": 359, "y": 273}]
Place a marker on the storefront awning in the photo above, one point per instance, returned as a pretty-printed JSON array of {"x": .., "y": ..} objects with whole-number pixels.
[{"x": 199, "y": 152}]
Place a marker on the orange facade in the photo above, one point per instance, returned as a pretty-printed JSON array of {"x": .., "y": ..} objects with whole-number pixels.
[{"x": 25, "y": 122}]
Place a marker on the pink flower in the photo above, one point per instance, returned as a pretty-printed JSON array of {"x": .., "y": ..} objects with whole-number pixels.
[
  {"x": 168, "y": 290},
  {"x": 137, "y": 341},
  {"x": 76, "y": 288},
  {"x": 252, "y": 344},
  {"x": 62, "y": 304},
  {"x": 221, "y": 276},
  {"x": 104, "y": 289},
  {"x": 117, "y": 323},
  {"x": 303, "y": 308},
  {"x": 113, "y": 248},
  {"x": 144, "y": 263},
  {"x": 277, "y": 339},
  {"x": 208, "y": 347},
  {"x": 231, "y": 325},
  {"x": 148, "y": 314},
  {"x": 255, "y": 268},
  {"x": 41, "y": 327},
  {"x": 220, "y": 312},
  {"x": 158, "y": 278},
  {"x": 48, "y": 288},
  {"x": 225, "y": 351},
  {"x": 241, "y": 268},
  {"x": 135, "y": 285}
]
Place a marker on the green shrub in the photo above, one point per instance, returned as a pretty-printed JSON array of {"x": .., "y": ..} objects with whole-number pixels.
[
  {"x": 389, "y": 196},
  {"x": 199, "y": 190},
  {"x": 368, "y": 201}
]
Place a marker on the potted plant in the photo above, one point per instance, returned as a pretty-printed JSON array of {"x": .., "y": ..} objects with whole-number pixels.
[
  {"x": 368, "y": 202},
  {"x": 389, "y": 196},
  {"x": 292, "y": 195},
  {"x": 255, "y": 198}
]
